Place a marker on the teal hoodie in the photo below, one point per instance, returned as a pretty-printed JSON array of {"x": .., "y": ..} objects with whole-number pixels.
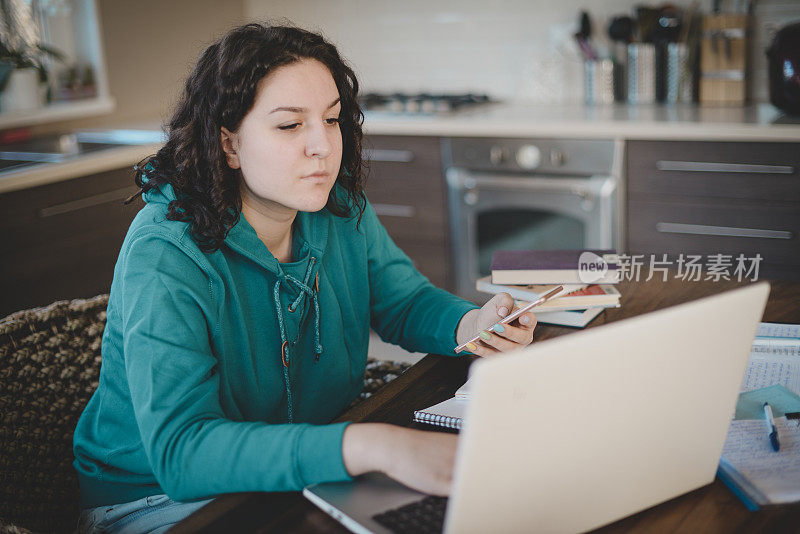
[{"x": 194, "y": 397}]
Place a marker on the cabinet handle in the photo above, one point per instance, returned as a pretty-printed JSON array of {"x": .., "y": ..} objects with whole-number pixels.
[
  {"x": 394, "y": 210},
  {"x": 396, "y": 156},
  {"x": 88, "y": 202},
  {"x": 730, "y": 231},
  {"x": 707, "y": 166}
]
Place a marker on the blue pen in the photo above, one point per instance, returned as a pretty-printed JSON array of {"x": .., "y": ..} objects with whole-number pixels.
[{"x": 771, "y": 428}]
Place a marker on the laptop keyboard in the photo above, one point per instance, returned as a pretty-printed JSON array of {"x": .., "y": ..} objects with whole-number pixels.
[{"x": 423, "y": 516}]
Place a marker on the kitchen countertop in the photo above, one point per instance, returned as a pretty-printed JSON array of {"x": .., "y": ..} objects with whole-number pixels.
[
  {"x": 760, "y": 122},
  {"x": 84, "y": 165}
]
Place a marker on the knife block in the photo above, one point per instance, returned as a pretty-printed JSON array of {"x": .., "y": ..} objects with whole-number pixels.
[{"x": 723, "y": 59}]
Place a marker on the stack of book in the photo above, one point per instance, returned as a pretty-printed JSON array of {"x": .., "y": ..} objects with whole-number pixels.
[{"x": 588, "y": 277}]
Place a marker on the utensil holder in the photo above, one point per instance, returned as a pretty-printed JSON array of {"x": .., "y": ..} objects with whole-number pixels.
[
  {"x": 680, "y": 79},
  {"x": 641, "y": 73},
  {"x": 599, "y": 81}
]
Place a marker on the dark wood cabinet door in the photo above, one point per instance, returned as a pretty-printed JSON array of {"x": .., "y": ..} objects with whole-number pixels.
[
  {"x": 746, "y": 171},
  {"x": 61, "y": 241},
  {"x": 406, "y": 187},
  {"x": 706, "y": 198}
]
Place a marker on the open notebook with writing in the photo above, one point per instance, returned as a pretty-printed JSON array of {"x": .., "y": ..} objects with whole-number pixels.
[
  {"x": 755, "y": 472},
  {"x": 775, "y": 358}
]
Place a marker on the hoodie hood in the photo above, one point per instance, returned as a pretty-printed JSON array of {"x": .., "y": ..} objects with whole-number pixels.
[
  {"x": 160, "y": 194},
  {"x": 310, "y": 233}
]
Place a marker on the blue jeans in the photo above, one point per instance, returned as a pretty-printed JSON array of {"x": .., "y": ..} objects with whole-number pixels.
[{"x": 154, "y": 515}]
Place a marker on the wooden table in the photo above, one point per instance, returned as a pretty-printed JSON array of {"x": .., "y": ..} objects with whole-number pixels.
[{"x": 712, "y": 508}]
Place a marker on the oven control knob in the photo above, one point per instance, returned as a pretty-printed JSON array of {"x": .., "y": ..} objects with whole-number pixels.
[
  {"x": 529, "y": 156},
  {"x": 498, "y": 155},
  {"x": 557, "y": 157}
]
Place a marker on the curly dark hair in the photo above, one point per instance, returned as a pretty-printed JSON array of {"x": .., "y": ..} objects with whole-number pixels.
[{"x": 219, "y": 92}]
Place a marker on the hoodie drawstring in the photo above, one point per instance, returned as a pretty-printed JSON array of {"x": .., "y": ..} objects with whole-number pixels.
[{"x": 305, "y": 289}]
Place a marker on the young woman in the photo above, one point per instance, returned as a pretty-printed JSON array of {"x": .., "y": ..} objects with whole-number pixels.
[{"x": 243, "y": 296}]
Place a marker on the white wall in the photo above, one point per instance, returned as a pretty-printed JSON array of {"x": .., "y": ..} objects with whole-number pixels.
[
  {"x": 520, "y": 49},
  {"x": 508, "y": 48}
]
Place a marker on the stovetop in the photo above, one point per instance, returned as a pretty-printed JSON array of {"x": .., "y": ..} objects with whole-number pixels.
[{"x": 421, "y": 103}]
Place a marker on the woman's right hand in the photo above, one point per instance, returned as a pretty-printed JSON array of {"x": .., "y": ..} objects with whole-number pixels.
[{"x": 421, "y": 460}]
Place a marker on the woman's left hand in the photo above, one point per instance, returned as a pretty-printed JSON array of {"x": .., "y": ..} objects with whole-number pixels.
[{"x": 504, "y": 337}]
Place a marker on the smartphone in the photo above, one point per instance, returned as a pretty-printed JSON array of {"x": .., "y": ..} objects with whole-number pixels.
[{"x": 508, "y": 318}]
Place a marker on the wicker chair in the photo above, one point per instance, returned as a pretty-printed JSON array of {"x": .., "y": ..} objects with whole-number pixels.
[{"x": 49, "y": 367}]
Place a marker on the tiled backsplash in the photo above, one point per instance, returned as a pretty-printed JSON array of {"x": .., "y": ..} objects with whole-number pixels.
[{"x": 520, "y": 49}]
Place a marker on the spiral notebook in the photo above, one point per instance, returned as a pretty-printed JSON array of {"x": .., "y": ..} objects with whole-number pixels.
[{"x": 449, "y": 413}]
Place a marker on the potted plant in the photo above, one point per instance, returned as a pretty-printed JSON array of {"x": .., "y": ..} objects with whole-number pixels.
[
  {"x": 26, "y": 73},
  {"x": 23, "y": 57}
]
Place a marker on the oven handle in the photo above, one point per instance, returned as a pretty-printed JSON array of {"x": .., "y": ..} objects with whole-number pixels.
[{"x": 595, "y": 185}]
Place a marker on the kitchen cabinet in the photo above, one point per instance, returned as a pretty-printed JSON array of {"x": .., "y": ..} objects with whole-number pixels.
[
  {"x": 706, "y": 198},
  {"x": 61, "y": 240},
  {"x": 405, "y": 185}
]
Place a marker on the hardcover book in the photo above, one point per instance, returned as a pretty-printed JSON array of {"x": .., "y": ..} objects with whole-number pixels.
[
  {"x": 573, "y": 297},
  {"x": 573, "y": 318},
  {"x": 522, "y": 267}
]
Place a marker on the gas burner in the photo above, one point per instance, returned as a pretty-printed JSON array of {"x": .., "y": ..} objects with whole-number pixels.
[{"x": 420, "y": 103}]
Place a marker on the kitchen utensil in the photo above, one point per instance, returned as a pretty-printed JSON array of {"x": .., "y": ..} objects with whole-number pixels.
[
  {"x": 586, "y": 25},
  {"x": 646, "y": 21},
  {"x": 587, "y": 50},
  {"x": 784, "y": 69},
  {"x": 688, "y": 21},
  {"x": 668, "y": 25},
  {"x": 620, "y": 29},
  {"x": 723, "y": 59},
  {"x": 583, "y": 34},
  {"x": 666, "y": 31}
]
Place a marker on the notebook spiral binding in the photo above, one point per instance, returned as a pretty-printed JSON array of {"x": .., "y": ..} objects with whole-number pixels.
[{"x": 438, "y": 419}]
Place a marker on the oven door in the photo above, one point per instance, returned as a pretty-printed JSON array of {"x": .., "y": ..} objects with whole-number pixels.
[{"x": 490, "y": 212}]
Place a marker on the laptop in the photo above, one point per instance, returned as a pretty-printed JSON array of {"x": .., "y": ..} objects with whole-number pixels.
[{"x": 576, "y": 432}]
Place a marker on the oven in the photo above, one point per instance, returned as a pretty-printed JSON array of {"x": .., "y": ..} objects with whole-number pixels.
[{"x": 529, "y": 194}]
